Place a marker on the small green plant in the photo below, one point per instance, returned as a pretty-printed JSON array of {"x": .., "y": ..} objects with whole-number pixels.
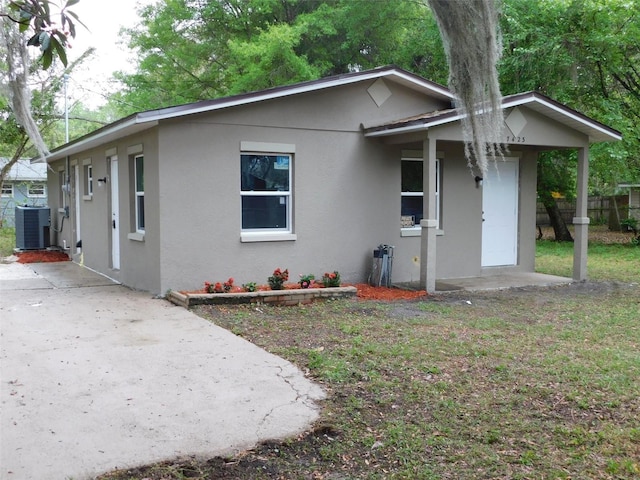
[
  {"x": 306, "y": 280},
  {"x": 331, "y": 279},
  {"x": 276, "y": 281},
  {"x": 249, "y": 287},
  {"x": 630, "y": 224}
]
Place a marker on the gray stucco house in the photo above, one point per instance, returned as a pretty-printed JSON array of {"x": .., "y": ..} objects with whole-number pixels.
[
  {"x": 24, "y": 185},
  {"x": 311, "y": 177}
]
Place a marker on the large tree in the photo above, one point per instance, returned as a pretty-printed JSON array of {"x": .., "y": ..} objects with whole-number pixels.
[
  {"x": 189, "y": 51},
  {"x": 583, "y": 53}
]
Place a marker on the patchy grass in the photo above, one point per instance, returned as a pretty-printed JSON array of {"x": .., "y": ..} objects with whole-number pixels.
[
  {"x": 525, "y": 383},
  {"x": 7, "y": 241},
  {"x": 530, "y": 383}
]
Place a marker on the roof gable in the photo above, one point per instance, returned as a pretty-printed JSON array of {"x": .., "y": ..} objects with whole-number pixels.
[
  {"x": 596, "y": 131},
  {"x": 148, "y": 119}
]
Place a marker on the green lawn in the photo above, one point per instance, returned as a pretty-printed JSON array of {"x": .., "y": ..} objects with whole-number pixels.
[
  {"x": 537, "y": 383},
  {"x": 615, "y": 262}
]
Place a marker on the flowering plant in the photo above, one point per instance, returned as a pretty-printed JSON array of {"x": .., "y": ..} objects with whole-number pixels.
[
  {"x": 306, "y": 280},
  {"x": 331, "y": 279},
  {"x": 276, "y": 281},
  {"x": 218, "y": 287}
]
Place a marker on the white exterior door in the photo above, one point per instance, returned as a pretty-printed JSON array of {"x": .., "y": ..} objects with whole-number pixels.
[
  {"x": 500, "y": 214},
  {"x": 76, "y": 194},
  {"x": 115, "y": 220}
]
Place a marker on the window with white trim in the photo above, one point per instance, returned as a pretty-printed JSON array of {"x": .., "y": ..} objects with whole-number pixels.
[
  {"x": 37, "y": 190},
  {"x": 265, "y": 189},
  {"x": 139, "y": 192},
  {"x": 411, "y": 205},
  {"x": 7, "y": 189},
  {"x": 88, "y": 180}
]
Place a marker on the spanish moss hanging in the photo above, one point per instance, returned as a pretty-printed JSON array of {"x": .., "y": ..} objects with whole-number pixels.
[
  {"x": 15, "y": 50},
  {"x": 471, "y": 39}
]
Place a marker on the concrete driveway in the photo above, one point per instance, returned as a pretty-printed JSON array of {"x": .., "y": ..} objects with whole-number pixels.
[{"x": 95, "y": 376}]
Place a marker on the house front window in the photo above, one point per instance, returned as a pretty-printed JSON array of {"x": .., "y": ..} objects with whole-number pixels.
[
  {"x": 7, "y": 190},
  {"x": 139, "y": 192},
  {"x": 265, "y": 188},
  {"x": 412, "y": 196},
  {"x": 37, "y": 190}
]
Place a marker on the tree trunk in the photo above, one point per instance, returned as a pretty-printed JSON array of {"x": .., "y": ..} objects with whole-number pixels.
[{"x": 560, "y": 229}]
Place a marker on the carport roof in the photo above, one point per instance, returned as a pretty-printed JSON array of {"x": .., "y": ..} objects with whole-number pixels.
[{"x": 596, "y": 131}]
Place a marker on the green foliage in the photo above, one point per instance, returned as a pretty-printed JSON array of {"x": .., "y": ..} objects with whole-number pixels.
[
  {"x": 583, "y": 53},
  {"x": 7, "y": 241},
  {"x": 269, "y": 60},
  {"x": 49, "y": 30},
  {"x": 190, "y": 51}
]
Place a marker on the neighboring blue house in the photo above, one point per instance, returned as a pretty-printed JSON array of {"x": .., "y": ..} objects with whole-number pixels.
[{"x": 26, "y": 184}]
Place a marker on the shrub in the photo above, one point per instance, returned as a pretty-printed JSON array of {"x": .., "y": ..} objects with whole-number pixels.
[
  {"x": 276, "y": 281},
  {"x": 331, "y": 279},
  {"x": 306, "y": 280}
]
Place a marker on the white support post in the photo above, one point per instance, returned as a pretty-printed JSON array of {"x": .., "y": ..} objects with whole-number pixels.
[
  {"x": 581, "y": 220},
  {"x": 429, "y": 223}
]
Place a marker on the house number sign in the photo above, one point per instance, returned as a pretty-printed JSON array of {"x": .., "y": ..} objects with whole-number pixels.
[{"x": 514, "y": 139}]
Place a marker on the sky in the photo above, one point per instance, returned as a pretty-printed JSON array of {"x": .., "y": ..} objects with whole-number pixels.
[{"x": 103, "y": 19}]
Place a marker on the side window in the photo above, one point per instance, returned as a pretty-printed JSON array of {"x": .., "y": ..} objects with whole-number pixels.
[
  {"x": 88, "y": 181},
  {"x": 265, "y": 189},
  {"x": 411, "y": 205},
  {"x": 37, "y": 190},
  {"x": 139, "y": 192},
  {"x": 7, "y": 189}
]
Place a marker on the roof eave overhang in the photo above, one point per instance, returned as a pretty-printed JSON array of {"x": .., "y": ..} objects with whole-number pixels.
[
  {"x": 128, "y": 126},
  {"x": 399, "y": 76},
  {"x": 596, "y": 131},
  {"x": 413, "y": 127}
]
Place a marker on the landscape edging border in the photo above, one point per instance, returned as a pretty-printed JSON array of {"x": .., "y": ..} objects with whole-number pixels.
[{"x": 275, "y": 297}]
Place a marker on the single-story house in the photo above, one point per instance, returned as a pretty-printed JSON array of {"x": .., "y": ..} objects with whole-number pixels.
[
  {"x": 24, "y": 185},
  {"x": 311, "y": 177}
]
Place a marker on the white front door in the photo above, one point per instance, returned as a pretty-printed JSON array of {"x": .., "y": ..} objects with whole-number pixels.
[
  {"x": 500, "y": 214},
  {"x": 76, "y": 190},
  {"x": 115, "y": 220}
]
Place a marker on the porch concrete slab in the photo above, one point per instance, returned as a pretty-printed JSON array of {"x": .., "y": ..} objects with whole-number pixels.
[
  {"x": 99, "y": 377},
  {"x": 501, "y": 281}
]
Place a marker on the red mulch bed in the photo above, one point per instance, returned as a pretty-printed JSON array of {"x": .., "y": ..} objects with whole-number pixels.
[
  {"x": 365, "y": 291},
  {"x": 42, "y": 256}
]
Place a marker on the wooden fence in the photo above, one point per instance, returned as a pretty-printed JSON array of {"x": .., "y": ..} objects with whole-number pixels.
[{"x": 608, "y": 210}]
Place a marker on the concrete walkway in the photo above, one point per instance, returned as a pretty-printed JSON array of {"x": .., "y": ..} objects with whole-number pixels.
[{"x": 95, "y": 376}]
